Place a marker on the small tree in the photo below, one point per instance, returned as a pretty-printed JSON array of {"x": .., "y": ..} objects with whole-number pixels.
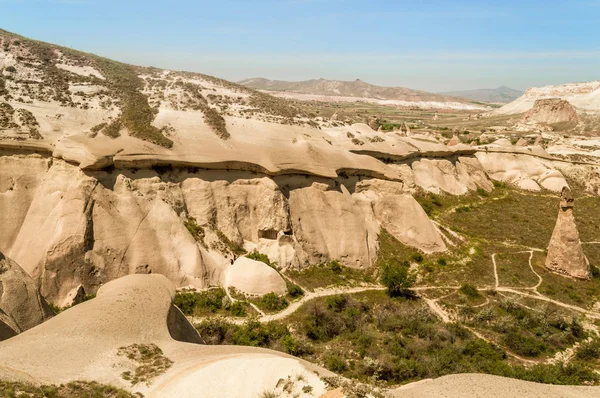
[{"x": 397, "y": 278}]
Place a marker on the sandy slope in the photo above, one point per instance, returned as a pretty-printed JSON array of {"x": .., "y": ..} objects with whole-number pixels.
[{"x": 484, "y": 386}]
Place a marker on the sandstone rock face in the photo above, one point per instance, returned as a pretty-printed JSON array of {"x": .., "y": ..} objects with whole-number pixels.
[
  {"x": 437, "y": 176},
  {"x": 21, "y": 305},
  {"x": 330, "y": 225},
  {"x": 526, "y": 172},
  {"x": 552, "y": 110},
  {"x": 20, "y": 177},
  {"x": 401, "y": 215},
  {"x": 254, "y": 278},
  {"x": 565, "y": 254}
]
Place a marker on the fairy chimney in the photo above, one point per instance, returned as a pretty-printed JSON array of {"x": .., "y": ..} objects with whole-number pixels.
[{"x": 565, "y": 254}]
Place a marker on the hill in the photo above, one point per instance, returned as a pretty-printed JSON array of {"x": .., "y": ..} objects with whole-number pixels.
[
  {"x": 338, "y": 90},
  {"x": 583, "y": 96},
  {"x": 501, "y": 94}
]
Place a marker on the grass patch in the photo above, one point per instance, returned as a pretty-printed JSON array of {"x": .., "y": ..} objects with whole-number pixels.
[
  {"x": 514, "y": 271},
  {"x": 148, "y": 360},
  {"x": 232, "y": 246},
  {"x": 195, "y": 230},
  {"x": 570, "y": 291},
  {"x": 526, "y": 220},
  {"x": 74, "y": 389},
  {"x": 332, "y": 273}
]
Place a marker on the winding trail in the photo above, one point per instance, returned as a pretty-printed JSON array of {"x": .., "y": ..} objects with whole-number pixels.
[
  {"x": 293, "y": 307},
  {"x": 434, "y": 305}
]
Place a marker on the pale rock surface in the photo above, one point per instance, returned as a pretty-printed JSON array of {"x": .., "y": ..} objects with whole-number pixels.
[
  {"x": 244, "y": 210},
  {"x": 400, "y": 214},
  {"x": 484, "y": 386},
  {"x": 254, "y": 278},
  {"x": 330, "y": 225},
  {"x": 552, "y": 110},
  {"x": 438, "y": 176},
  {"x": 56, "y": 232},
  {"x": 20, "y": 177},
  {"x": 21, "y": 305},
  {"x": 138, "y": 309},
  {"x": 526, "y": 172},
  {"x": 565, "y": 254}
]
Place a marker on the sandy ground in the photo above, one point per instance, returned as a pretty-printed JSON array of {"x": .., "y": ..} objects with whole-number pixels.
[{"x": 484, "y": 386}]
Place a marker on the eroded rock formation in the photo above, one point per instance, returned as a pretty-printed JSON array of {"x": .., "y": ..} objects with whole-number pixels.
[
  {"x": 551, "y": 110},
  {"x": 21, "y": 305},
  {"x": 565, "y": 254}
]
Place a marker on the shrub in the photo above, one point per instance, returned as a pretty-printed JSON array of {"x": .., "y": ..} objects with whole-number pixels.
[
  {"x": 470, "y": 291},
  {"x": 256, "y": 256},
  {"x": 523, "y": 344},
  {"x": 11, "y": 69},
  {"x": 589, "y": 351},
  {"x": 191, "y": 303},
  {"x": 417, "y": 257},
  {"x": 335, "y": 363},
  {"x": 294, "y": 290},
  {"x": 195, "y": 230},
  {"x": 98, "y": 127},
  {"x": 237, "y": 309},
  {"x": 335, "y": 266},
  {"x": 113, "y": 129},
  {"x": 337, "y": 302},
  {"x": 272, "y": 302},
  {"x": 397, "y": 278}
]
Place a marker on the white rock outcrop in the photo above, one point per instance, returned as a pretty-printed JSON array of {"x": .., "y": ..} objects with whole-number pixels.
[{"x": 254, "y": 278}]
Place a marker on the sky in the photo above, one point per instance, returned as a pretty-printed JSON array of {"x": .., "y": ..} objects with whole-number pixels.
[{"x": 430, "y": 45}]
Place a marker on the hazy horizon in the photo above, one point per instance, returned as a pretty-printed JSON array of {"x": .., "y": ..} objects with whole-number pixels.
[{"x": 432, "y": 46}]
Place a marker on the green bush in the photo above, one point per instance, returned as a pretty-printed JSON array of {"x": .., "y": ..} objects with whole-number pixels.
[
  {"x": 272, "y": 302},
  {"x": 11, "y": 69},
  {"x": 396, "y": 277},
  {"x": 194, "y": 303},
  {"x": 470, "y": 291},
  {"x": 589, "y": 351},
  {"x": 417, "y": 257},
  {"x": 237, "y": 309},
  {"x": 335, "y": 363},
  {"x": 335, "y": 266},
  {"x": 256, "y": 256},
  {"x": 294, "y": 290},
  {"x": 523, "y": 344}
]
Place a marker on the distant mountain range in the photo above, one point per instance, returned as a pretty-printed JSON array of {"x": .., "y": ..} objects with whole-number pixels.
[
  {"x": 501, "y": 94},
  {"x": 356, "y": 88}
]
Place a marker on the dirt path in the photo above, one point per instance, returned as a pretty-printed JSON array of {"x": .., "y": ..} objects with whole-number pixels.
[
  {"x": 495, "y": 270},
  {"x": 437, "y": 309},
  {"x": 312, "y": 295}
]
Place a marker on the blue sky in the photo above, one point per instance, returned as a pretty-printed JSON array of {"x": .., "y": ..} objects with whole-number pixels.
[{"x": 431, "y": 45}]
